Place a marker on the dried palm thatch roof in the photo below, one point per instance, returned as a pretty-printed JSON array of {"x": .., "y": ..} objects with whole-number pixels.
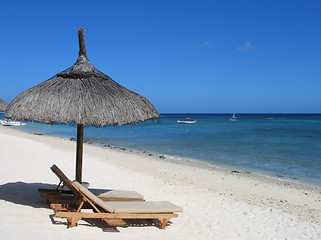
[
  {"x": 83, "y": 95},
  {"x": 3, "y": 105},
  {"x": 88, "y": 100}
]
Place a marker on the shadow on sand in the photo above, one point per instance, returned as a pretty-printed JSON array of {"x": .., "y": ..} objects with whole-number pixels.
[{"x": 24, "y": 193}]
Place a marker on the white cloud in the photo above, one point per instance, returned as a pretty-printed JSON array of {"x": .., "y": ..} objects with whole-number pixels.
[
  {"x": 204, "y": 44},
  {"x": 247, "y": 47}
]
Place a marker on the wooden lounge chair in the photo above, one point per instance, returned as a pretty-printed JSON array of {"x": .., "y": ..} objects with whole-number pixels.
[
  {"x": 60, "y": 193},
  {"x": 113, "y": 213}
]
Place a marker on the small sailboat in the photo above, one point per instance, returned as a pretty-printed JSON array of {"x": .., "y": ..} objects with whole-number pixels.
[{"x": 233, "y": 118}]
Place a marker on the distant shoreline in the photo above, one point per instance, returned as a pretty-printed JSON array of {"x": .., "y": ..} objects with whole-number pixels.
[{"x": 193, "y": 163}]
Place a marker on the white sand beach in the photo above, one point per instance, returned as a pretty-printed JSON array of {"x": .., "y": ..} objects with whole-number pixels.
[{"x": 218, "y": 204}]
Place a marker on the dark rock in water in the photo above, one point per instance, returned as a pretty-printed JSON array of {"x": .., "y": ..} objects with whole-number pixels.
[
  {"x": 39, "y": 134},
  {"x": 162, "y": 157},
  {"x": 234, "y": 171},
  {"x": 72, "y": 139}
]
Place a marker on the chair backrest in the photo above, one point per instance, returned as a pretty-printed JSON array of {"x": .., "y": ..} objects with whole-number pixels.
[
  {"x": 67, "y": 182},
  {"x": 90, "y": 196}
]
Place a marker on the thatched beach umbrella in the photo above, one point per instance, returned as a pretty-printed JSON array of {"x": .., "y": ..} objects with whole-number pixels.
[
  {"x": 83, "y": 95},
  {"x": 3, "y": 105}
]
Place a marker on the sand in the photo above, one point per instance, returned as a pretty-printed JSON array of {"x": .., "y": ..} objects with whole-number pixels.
[{"x": 218, "y": 203}]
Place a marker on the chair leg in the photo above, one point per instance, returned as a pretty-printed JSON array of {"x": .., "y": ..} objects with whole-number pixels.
[
  {"x": 73, "y": 221},
  {"x": 164, "y": 222}
]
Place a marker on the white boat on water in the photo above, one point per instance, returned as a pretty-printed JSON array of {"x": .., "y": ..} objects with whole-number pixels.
[
  {"x": 11, "y": 123},
  {"x": 233, "y": 118},
  {"x": 187, "y": 121}
]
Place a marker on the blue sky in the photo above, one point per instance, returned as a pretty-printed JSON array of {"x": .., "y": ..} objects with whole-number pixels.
[{"x": 184, "y": 56}]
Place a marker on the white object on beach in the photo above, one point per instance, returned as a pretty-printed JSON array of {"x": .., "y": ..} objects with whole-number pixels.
[{"x": 11, "y": 123}]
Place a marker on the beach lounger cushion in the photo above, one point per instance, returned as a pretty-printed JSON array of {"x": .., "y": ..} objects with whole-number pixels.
[
  {"x": 143, "y": 207},
  {"x": 129, "y": 207},
  {"x": 108, "y": 193}
]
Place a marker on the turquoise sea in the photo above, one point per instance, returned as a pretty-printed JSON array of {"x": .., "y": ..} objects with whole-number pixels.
[{"x": 284, "y": 146}]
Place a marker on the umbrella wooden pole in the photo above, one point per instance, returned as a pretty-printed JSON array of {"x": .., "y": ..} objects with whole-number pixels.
[
  {"x": 79, "y": 153},
  {"x": 82, "y": 45}
]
